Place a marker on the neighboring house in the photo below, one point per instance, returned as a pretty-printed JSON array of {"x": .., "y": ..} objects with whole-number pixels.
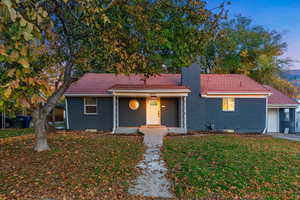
[
  {"x": 181, "y": 102},
  {"x": 281, "y": 112},
  {"x": 57, "y": 114}
]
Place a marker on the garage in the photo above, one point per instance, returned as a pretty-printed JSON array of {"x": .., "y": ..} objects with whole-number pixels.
[{"x": 273, "y": 120}]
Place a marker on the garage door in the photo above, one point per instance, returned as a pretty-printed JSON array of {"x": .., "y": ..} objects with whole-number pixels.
[{"x": 273, "y": 120}]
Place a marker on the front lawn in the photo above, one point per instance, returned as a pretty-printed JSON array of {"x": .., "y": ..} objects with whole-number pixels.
[
  {"x": 4, "y": 133},
  {"x": 78, "y": 167},
  {"x": 232, "y": 167}
]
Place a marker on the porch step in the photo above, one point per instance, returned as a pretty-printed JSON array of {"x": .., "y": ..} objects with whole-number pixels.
[
  {"x": 153, "y": 129},
  {"x": 153, "y": 126},
  {"x": 126, "y": 130}
]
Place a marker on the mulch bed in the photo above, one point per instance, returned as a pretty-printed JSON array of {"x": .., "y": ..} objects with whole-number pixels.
[{"x": 209, "y": 133}]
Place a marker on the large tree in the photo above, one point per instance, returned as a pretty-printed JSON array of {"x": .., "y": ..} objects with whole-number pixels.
[
  {"x": 46, "y": 45},
  {"x": 240, "y": 47}
]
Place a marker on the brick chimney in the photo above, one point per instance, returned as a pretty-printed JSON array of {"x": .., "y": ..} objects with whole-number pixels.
[{"x": 190, "y": 77}]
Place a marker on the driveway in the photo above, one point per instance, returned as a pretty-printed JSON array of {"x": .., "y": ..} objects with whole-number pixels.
[{"x": 294, "y": 137}]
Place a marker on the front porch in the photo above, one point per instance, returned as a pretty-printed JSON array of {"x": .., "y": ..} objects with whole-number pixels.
[
  {"x": 131, "y": 130},
  {"x": 155, "y": 107}
]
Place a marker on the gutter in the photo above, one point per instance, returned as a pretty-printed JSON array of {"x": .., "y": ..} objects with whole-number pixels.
[
  {"x": 88, "y": 95},
  {"x": 266, "y": 123},
  {"x": 150, "y": 91},
  {"x": 243, "y": 93},
  {"x": 67, "y": 114},
  {"x": 283, "y": 105}
]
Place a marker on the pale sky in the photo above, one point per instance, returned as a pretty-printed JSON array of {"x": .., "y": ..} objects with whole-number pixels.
[{"x": 280, "y": 15}]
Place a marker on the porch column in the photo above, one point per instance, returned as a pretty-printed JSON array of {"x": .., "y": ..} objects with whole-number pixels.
[
  {"x": 114, "y": 113},
  {"x": 117, "y": 112},
  {"x": 184, "y": 112},
  {"x": 181, "y": 112}
]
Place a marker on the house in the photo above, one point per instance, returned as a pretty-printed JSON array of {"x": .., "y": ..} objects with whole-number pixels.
[
  {"x": 180, "y": 102},
  {"x": 57, "y": 114},
  {"x": 281, "y": 112}
]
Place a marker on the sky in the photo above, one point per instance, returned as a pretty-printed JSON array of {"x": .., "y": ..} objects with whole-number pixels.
[{"x": 280, "y": 15}]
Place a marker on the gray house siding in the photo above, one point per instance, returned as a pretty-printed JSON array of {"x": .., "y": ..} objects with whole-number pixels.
[
  {"x": 132, "y": 118},
  {"x": 195, "y": 106},
  {"x": 103, "y": 120},
  {"x": 169, "y": 112},
  {"x": 249, "y": 115},
  {"x": 283, "y": 123}
]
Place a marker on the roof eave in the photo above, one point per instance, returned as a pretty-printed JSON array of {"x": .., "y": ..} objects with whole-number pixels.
[
  {"x": 283, "y": 105},
  {"x": 150, "y": 91},
  {"x": 232, "y": 93},
  {"x": 86, "y": 95}
]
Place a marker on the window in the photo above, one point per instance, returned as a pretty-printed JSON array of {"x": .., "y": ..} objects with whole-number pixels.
[
  {"x": 286, "y": 114},
  {"x": 228, "y": 104},
  {"x": 90, "y": 105}
]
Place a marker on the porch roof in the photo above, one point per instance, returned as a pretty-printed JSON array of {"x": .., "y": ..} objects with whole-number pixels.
[
  {"x": 278, "y": 99},
  {"x": 148, "y": 90},
  {"x": 145, "y": 87}
]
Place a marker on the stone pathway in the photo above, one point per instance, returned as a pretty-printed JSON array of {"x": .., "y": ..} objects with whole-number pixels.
[{"x": 152, "y": 182}]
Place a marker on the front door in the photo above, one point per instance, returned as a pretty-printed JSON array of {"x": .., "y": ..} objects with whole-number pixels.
[{"x": 153, "y": 111}]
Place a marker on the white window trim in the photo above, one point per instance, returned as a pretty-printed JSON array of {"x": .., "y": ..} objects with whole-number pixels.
[
  {"x": 227, "y": 99},
  {"x": 85, "y": 104}
]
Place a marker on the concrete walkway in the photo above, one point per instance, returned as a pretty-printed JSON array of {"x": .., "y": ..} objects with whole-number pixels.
[
  {"x": 152, "y": 182},
  {"x": 293, "y": 137}
]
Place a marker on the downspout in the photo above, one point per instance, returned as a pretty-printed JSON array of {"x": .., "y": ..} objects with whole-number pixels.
[
  {"x": 114, "y": 114},
  {"x": 266, "y": 122},
  {"x": 295, "y": 120},
  {"x": 67, "y": 113}
]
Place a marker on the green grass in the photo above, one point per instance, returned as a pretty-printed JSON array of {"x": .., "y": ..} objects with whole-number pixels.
[
  {"x": 79, "y": 166},
  {"x": 4, "y": 133},
  {"x": 229, "y": 167}
]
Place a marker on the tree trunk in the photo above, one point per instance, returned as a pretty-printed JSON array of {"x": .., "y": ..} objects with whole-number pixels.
[
  {"x": 39, "y": 120},
  {"x": 39, "y": 116}
]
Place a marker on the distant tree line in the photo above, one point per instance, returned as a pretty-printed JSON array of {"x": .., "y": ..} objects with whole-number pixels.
[{"x": 242, "y": 48}]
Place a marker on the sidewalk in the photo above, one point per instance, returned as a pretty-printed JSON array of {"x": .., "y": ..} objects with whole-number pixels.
[
  {"x": 152, "y": 182},
  {"x": 293, "y": 137}
]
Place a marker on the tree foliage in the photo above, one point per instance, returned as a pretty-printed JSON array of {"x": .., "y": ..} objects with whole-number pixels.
[
  {"x": 239, "y": 47},
  {"x": 45, "y": 45},
  {"x": 24, "y": 52}
]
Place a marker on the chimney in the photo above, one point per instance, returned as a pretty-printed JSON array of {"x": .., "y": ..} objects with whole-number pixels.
[{"x": 190, "y": 77}]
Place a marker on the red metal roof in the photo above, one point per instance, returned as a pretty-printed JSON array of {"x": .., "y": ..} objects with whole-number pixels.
[
  {"x": 279, "y": 98},
  {"x": 96, "y": 83},
  {"x": 229, "y": 83}
]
